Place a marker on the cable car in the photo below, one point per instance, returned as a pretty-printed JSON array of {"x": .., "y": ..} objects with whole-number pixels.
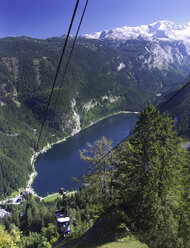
[
  {"x": 62, "y": 218},
  {"x": 62, "y": 222}
]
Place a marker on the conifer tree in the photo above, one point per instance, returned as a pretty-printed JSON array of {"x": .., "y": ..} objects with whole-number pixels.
[{"x": 150, "y": 179}]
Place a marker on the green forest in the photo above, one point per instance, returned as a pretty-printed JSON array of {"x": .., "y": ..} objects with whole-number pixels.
[{"x": 141, "y": 190}]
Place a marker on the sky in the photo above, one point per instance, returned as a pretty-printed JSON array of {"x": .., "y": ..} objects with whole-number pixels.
[{"x": 49, "y": 18}]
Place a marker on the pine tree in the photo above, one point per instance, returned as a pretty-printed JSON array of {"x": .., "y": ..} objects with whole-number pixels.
[{"x": 150, "y": 179}]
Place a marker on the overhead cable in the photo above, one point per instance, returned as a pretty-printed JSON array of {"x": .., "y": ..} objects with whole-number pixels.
[
  {"x": 68, "y": 62},
  {"x": 56, "y": 75}
]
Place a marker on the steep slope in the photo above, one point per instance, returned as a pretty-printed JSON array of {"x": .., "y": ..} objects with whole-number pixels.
[
  {"x": 179, "y": 108},
  {"x": 104, "y": 77},
  {"x": 109, "y": 231},
  {"x": 28, "y": 76},
  {"x": 166, "y": 45}
]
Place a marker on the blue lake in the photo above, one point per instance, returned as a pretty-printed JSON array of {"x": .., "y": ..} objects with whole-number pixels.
[{"x": 58, "y": 165}]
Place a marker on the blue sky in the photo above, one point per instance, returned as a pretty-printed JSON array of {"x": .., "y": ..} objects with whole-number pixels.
[{"x": 47, "y": 18}]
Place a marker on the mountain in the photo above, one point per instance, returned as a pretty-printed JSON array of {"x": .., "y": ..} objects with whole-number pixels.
[
  {"x": 166, "y": 44},
  {"x": 162, "y": 30},
  {"x": 105, "y": 76}
]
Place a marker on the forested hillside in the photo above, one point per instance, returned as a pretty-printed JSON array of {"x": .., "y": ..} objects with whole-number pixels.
[
  {"x": 101, "y": 80},
  {"x": 140, "y": 190}
]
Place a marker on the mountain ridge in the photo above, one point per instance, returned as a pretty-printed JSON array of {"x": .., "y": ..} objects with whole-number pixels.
[
  {"x": 161, "y": 30},
  {"x": 166, "y": 45}
]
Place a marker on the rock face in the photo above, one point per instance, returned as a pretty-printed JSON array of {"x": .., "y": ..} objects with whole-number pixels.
[
  {"x": 166, "y": 44},
  {"x": 3, "y": 213}
]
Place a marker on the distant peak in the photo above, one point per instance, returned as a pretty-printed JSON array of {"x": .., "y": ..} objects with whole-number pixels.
[{"x": 157, "y": 30}]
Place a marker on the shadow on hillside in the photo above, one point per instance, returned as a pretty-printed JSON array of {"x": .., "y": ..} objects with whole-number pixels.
[{"x": 106, "y": 229}]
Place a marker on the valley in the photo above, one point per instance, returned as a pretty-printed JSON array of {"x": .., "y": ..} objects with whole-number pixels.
[{"x": 112, "y": 76}]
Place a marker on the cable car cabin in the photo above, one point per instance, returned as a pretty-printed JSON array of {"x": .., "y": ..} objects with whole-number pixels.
[{"x": 62, "y": 222}]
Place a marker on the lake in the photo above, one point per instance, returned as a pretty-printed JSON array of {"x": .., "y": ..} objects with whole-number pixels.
[{"x": 58, "y": 165}]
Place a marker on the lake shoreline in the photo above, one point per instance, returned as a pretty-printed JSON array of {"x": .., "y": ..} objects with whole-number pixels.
[{"x": 32, "y": 176}]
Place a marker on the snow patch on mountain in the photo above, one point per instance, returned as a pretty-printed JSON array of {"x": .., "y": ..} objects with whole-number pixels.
[
  {"x": 95, "y": 35},
  {"x": 161, "y": 56},
  {"x": 120, "y": 67}
]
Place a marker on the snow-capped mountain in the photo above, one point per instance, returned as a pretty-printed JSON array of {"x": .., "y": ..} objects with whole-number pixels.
[
  {"x": 158, "y": 30},
  {"x": 166, "y": 44}
]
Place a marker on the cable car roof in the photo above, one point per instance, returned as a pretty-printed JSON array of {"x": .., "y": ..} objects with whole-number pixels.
[{"x": 63, "y": 219}]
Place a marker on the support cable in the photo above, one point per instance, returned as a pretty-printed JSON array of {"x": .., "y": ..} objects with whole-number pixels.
[
  {"x": 67, "y": 65},
  {"x": 56, "y": 75}
]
